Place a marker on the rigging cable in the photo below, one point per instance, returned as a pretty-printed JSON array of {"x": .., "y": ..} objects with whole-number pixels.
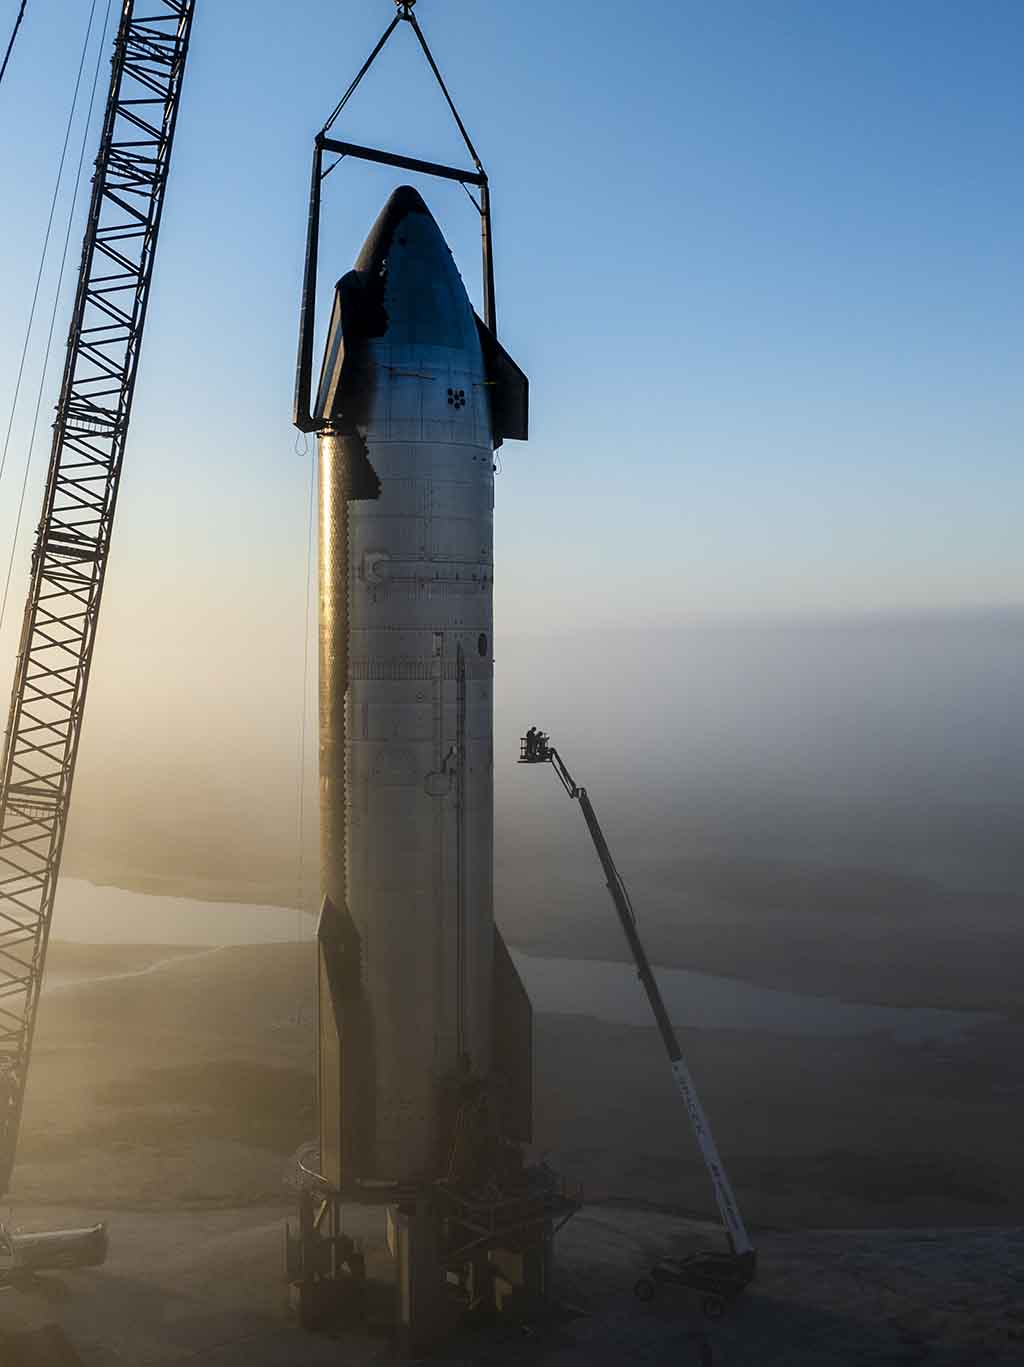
[
  {"x": 46, "y": 241},
  {"x": 363, "y": 70},
  {"x": 60, "y": 280},
  {"x": 14, "y": 34},
  {"x": 444, "y": 91},
  {"x": 404, "y": 14}
]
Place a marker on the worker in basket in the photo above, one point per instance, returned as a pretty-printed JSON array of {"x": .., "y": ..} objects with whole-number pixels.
[{"x": 535, "y": 746}]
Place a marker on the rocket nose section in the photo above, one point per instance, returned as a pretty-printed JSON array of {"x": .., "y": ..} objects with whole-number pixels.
[
  {"x": 405, "y": 200},
  {"x": 409, "y": 268}
]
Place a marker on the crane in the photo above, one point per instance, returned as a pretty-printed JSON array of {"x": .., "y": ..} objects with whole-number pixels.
[
  {"x": 69, "y": 559},
  {"x": 718, "y": 1276}
]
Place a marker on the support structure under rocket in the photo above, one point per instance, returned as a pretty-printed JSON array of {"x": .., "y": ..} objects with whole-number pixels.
[{"x": 420, "y": 1001}]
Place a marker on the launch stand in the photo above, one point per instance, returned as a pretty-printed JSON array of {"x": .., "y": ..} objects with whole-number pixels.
[
  {"x": 451, "y": 1250},
  {"x": 424, "y": 1029}
]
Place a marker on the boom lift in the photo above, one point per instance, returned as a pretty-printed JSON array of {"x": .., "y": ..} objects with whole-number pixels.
[
  {"x": 719, "y": 1276},
  {"x": 69, "y": 560}
]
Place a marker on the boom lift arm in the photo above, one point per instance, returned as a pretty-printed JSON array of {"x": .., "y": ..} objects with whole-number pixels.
[{"x": 537, "y": 749}]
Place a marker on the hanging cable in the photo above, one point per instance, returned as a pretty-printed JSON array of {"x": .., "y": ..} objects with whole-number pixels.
[
  {"x": 444, "y": 91},
  {"x": 14, "y": 34},
  {"x": 362, "y": 72},
  {"x": 405, "y": 15},
  {"x": 60, "y": 280},
  {"x": 46, "y": 240},
  {"x": 301, "y": 890}
]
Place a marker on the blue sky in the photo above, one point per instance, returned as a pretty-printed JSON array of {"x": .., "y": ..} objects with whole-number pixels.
[{"x": 762, "y": 262}]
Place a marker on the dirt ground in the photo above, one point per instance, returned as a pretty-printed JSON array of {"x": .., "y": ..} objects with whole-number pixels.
[
  {"x": 882, "y": 1180},
  {"x": 204, "y": 1288},
  {"x": 188, "y": 1080}
]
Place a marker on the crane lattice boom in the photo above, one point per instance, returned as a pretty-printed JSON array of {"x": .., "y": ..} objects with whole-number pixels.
[{"x": 72, "y": 544}]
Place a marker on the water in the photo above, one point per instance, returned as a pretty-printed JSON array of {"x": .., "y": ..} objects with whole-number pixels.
[
  {"x": 612, "y": 992},
  {"x": 608, "y": 991},
  {"x": 92, "y": 915}
]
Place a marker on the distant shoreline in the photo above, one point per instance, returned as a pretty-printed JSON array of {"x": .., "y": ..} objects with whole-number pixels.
[{"x": 772, "y": 978}]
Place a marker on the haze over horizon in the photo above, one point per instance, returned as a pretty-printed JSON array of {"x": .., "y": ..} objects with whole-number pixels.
[{"x": 759, "y": 567}]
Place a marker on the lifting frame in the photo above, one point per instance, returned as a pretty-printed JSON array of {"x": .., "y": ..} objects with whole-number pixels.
[{"x": 302, "y": 417}]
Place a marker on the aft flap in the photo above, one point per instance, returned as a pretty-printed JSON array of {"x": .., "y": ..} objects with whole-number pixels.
[
  {"x": 512, "y": 1047},
  {"x": 509, "y": 389},
  {"x": 340, "y": 948}
]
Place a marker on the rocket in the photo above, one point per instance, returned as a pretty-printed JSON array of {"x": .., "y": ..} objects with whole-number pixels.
[{"x": 420, "y": 1008}]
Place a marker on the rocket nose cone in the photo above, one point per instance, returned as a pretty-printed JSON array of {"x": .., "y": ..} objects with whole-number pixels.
[
  {"x": 409, "y": 267},
  {"x": 401, "y": 202}
]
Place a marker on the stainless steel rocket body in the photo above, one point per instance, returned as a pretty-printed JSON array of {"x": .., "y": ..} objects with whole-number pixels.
[
  {"x": 406, "y": 615},
  {"x": 420, "y": 760}
]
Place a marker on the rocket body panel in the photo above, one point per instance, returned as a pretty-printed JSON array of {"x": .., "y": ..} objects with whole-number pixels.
[{"x": 409, "y": 378}]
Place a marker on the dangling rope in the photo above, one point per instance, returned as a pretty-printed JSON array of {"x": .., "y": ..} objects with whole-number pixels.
[
  {"x": 46, "y": 239},
  {"x": 60, "y": 282},
  {"x": 14, "y": 34},
  {"x": 301, "y": 890}
]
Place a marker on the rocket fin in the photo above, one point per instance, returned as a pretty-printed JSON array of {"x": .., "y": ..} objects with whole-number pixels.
[
  {"x": 338, "y": 939},
  {"x": 512, "y": 1047},
  {"x": 509, "y": 387},
  {"x": 338, "y": 995}
]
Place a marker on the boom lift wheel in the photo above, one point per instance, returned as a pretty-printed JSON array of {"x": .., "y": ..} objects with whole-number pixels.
[{"x": 643, "y": 1290}]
